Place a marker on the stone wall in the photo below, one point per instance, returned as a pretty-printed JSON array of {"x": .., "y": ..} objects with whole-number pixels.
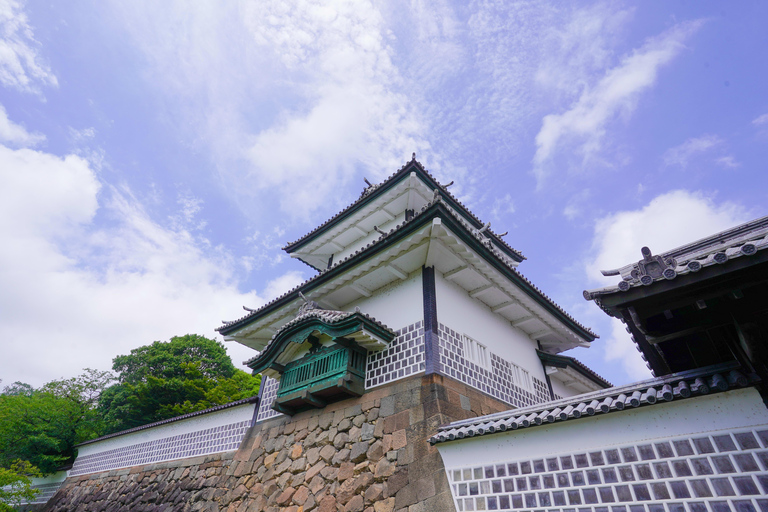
[{"x": 366, "y": 454}]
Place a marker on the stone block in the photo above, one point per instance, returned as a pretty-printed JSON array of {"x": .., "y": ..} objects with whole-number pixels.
[
  {"x": 399, "y": 439},
  {"x": 375, "y": 452},
  {"x": 346, "y": 471},
  {"x": 366, "y": 431},
  {"x": 344, "y": 425},
  {"x": 340, "y": 440},
  {"x": 296, "y": 451},
  {"x": 358, "y": 452},
  {"x": 354, "y": 433},
  {"x": 316, "y": 485},
  {"x": 388, "y": 505},
  {"x": 397, "y": 481},
  {"x": 374, "y": 493},
  {"x": 300, "y": 496},
  {"x": 397, "y": 421},
  {"x": 355, "y": 504},
  {"x": 387, "y": 406},
  {"x": 406, "y": 496},
  {"x": 327, "y": 504},
  {"x": 285, "y": 497},
  {"x": 384, "y": 469},
  {"x": 324, "y": 421},
  {"x": 327, "y": 452},
  {"x": 372, "y": 415},
  {"x": 314, "y": 470},
  {"x": 313, "y": 455},
  {"x": 340, "y": 456}
]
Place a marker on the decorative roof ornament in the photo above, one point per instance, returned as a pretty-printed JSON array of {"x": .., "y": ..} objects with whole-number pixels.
[
  {"x": 308, "y": 305},
  {"x": 370, "y": 187},
  {"x": 652, "y": 267},
  {"x": 413, "y": 157}
]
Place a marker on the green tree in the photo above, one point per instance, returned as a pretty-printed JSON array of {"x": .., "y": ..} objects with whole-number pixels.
[
  {"x": 42, "y": 426},
  {"x": 166, "y": 379},
  {"x": 168, "y": 360},
  {"x": 16, "y": 486}
]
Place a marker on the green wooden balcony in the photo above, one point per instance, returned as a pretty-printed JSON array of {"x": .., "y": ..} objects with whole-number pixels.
[{"x": 327, "y": 375}]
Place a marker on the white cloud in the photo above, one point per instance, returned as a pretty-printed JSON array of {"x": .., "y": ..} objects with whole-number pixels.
[
  {"x": 728, "y": 161},
  {"x": 761, "y": 120},
  {"x": 620, "y": 348},
  {"x": 681, "y": 155},
  {"x": 86, "y": 274},
  {"x": 617, "y": 92},
  {"x": 20, "y": 64},
  {"x": 502, "y": 206},
  {"x": 668, "y": 221},
  {"x": 310, "y": 99},
  {"x": 14, "y": 134}
]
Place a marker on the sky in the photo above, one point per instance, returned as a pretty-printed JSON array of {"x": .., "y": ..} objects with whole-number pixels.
[{"x": 156, "y": 156}]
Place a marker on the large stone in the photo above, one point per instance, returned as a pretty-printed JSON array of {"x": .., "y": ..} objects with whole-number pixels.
[
  {"x": 285, "y": 497},
  {"x": 340, "y": 440},
  {"x": 296, "y": 451},
  {"x": 353, "y": 486},
  {"x": 327, "y": 504},
  {"x": 375, "y": 452},
  {"x": 374, "y": 492},
  {"x": 347, "y": 470},
  {"x": 314, "y": 470},
  {"x": 340, "y": 456},
  {"x": 313, "y": 454},
  {"x": 301, "y": 495},
  {"x": 399, "y": 439},
  {"x": 344, "y": 425},
  {"x": 366, "y": 431},
  {"x": 384, "y": 469},
  {"x": 355, "y": 504},
  {"x": 327, "y": 452},
  {"x": 387, "y": 505},
  {"x": 358, "y": 452}
]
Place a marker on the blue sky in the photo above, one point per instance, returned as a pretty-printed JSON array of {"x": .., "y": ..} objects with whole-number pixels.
[{"x": 155, "y": 156}]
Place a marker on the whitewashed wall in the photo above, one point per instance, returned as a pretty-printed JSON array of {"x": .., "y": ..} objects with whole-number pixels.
[
  {"x": 213, "y": 432},
  {"x": 709, "y": 451},
  {"x": 395, "y": 305},
  {"x": 457, "y": 310}
]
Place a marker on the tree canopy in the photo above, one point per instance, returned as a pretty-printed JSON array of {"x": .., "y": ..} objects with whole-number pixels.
[
  {"x": 43, "y": 425},
  {"x": 166, "y": 379},
  {"x": 154, "y": 382}
]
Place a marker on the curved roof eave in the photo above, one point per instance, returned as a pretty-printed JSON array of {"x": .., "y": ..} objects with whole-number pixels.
[{"x": 430, "y": 211}]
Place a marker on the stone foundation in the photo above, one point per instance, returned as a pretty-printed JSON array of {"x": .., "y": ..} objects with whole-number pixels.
[{"x": 368, "y": 454}]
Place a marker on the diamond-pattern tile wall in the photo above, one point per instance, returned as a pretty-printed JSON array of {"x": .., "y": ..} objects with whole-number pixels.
[
  {"x": 403, "y": 357},
  {"x": 721, "y": 472},
  {"x": 504, "y": 380},
  {"x": 211, "y": 440},
  {"x": 268, "y": 395}
]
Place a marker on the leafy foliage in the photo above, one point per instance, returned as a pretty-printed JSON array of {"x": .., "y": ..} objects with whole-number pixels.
[
  {"x": 43, "y": 426},
  {"x": 159, "y": 381},
  {"x": 170, "y": 360},
  {"x": 155, "y": 382},
  {"x": 16, "y": 486}
]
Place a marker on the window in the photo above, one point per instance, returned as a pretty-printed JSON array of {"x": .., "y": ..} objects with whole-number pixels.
[{"x": 476, "y": 352}]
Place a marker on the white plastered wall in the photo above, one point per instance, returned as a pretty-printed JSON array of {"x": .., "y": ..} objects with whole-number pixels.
[
  {"x": 710, "y": 413},
  {"x": 195, "y": 424},
  {"x": 396, "y": 305},
  {"x": 457, "y": 310}
]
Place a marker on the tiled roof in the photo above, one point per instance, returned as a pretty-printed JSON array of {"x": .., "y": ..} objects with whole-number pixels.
[
  {"x": 742, "y": 241},
  {"x": 229, "y": 326},
  {"x": 369, "y": 192},
  {"x": 326, "y": 315},
  {"x": 576, "y": 364},
  {"x": 677, "y": 386},
  {"x": 251, "y": 400}
]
